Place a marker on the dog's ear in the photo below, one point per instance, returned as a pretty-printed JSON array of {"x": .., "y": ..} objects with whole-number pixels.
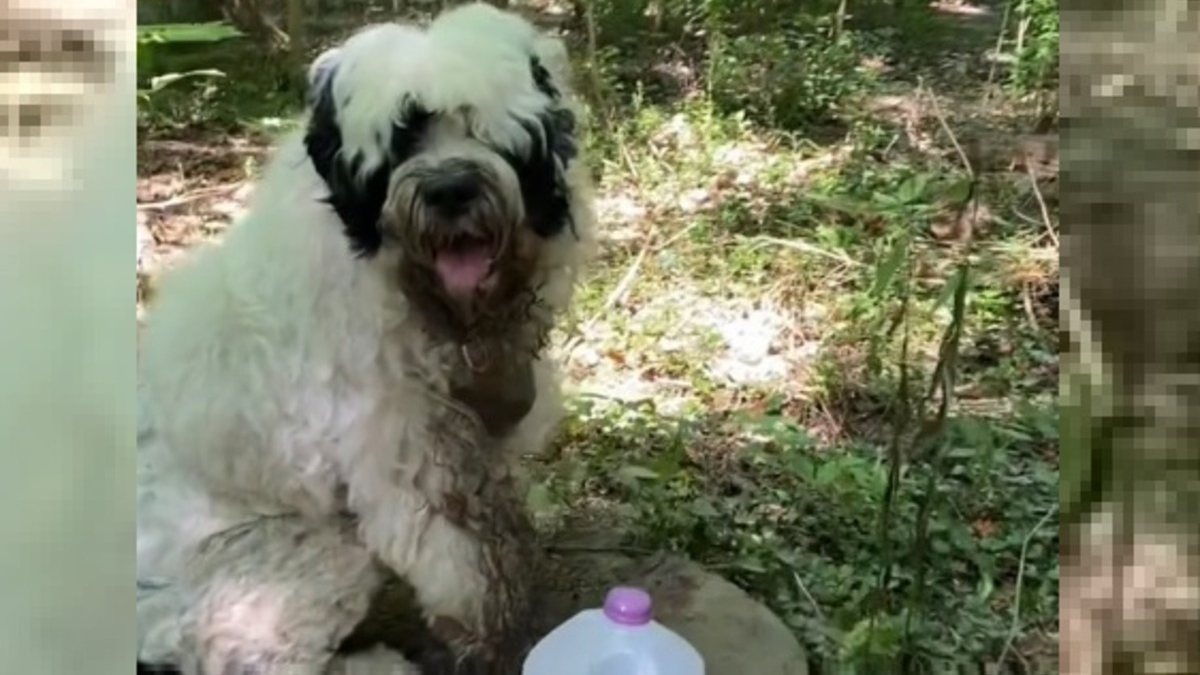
[
  {"x": 320, "y": 72},
  {"x": 543, "y": 175},
  {"x": 551, "y": 52},
  {"x": 356, "y": 199},
  {"x": 550, "y": 68}
]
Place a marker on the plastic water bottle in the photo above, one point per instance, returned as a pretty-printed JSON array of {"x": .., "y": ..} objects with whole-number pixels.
[{"x": 622, "y": 638}]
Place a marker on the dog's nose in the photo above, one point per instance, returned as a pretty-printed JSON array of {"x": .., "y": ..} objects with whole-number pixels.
[{"x": 452, "y": 193}]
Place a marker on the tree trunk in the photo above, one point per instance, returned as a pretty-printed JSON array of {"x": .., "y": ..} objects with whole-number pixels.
[
  {"x": 297, "y": 56},
  {"x": 253, "y": 17},
  {"x": 1131, "y": 215}
]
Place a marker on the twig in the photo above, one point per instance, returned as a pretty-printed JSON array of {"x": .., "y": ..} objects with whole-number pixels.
[
  {"x": 1016, "y": 617},
  {"x": 629, "y": 163},
  {"x": 991, "y": 79},
  {"x": 1037, "y": 193},
  {"x": 1024, "y": 662},
  {"x": 589, "y": 16},
  {"x": 891, "y": 144},
  {"x": 626, "y": 282},
  {"x": 1024, "y": 218},
  {"x": 839, "y": 20},
  {"x": 162, "y": 145},
  {"x": 615, "y": 297},
  {"x": 937, "y": 112},
  {"x": 1022, "y": 28},
  {"x": 970, "y": 201},
  {"x": 1027, "y": 301},
  {"x": 804, "y": 590},
  {"x": 807, "y": 248},
  {"x": 190, "y": 197},
  {"x": 666, "y": 243}
]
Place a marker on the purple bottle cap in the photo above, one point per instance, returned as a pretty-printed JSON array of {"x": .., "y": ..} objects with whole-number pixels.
[{"x": 628, "y": 606}]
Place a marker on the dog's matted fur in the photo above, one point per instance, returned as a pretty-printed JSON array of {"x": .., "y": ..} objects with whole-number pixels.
[{"x": 338, "y": 390}]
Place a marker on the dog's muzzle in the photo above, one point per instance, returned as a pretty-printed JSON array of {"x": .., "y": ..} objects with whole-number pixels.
[
  {"x": 451, "y": 190},
  {"x": 464, "y": 243}
]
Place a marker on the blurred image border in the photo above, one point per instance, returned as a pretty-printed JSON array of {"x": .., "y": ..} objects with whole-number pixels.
[
  {"x": 67, "y": 378},
  {"x": 1130, "y": 99}
]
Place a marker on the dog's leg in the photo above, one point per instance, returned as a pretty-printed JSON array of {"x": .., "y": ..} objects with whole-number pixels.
[
  {"x": 472, "y": 579},
  {"x": 276, "y": 597},
  {"x": 481, "y": 605},
  {"x": 453, "y": 525},
  {"x": 159, "y": 606}
]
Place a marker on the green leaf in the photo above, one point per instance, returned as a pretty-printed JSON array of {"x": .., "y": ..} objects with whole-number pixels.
[
  {"x": 703, "y": 508},
  {"x": 750, "y": 565},
  {"x": 803, "y": 466},
  {"x": 214, "y": 31},
  {"x": 950, "y": 288},
  {"x": 827, "y": 474},
  {"x": 886, "y": 271},
  {"x": 912, "y": 189},
  {"x": 959, "y": 452},
  {"x": 958, "y": 191}
]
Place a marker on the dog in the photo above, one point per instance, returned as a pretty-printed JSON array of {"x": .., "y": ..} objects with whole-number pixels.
[{"x": 338, "y": 391}]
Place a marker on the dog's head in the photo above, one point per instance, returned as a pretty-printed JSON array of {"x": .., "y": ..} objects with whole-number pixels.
[{"x": 448, "y": 146}]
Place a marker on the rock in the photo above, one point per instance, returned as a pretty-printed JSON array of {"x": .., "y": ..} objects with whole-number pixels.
[{"x": 735, "y": 634}]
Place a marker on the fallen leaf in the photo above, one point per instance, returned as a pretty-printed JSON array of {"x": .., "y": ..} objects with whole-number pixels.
[{"x": 984, "y": 528}]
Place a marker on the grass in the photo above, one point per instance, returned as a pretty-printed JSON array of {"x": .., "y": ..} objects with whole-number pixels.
[
  {"x": 759, "y": 359},
  {"x": 776, "y": 471}
]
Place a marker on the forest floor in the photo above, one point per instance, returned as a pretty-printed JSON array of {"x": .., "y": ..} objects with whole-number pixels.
[{"x": 749, "y": 353}]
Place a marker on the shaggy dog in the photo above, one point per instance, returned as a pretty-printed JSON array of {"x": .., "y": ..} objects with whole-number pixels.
[{"x": 337, "y": 391}]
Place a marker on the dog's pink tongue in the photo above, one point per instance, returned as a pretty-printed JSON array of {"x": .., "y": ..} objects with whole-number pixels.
[{"x": 463, "y": 271}]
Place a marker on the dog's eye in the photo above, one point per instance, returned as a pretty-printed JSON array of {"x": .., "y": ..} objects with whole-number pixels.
[{"x": 407, "y": 132}]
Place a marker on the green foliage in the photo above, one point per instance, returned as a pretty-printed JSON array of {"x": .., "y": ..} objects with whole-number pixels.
[
  {"x": 788, "y": 80},
  {"x": 1036, "y": 37},
  {"x": 152, "y": 39},
  {"x": 792, "y": 517},
  {"x": 779, "y": 63},
  {"x": 174, "y": 33},
  {"x": 210, "y": 76},
  {"x": 794, "y": 522}
]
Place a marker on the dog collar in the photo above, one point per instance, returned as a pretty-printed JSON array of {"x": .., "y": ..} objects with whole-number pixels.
[{"x": 476, "y": 355}]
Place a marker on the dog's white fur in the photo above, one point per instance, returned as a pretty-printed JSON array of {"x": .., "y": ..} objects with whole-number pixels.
[{"x": 283, "y": 381}]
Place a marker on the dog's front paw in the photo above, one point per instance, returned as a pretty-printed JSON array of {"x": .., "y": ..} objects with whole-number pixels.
[{"x": 442, "y": 658}]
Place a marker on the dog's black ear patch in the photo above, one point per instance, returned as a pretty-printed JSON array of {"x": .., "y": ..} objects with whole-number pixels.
[
  {"x": 542, "y": 79},
  {"x": 319, "y": 73},
  {"x": 358, "y": 200},
  {"x": 558, "y": 125},
  {"x": 553, "y": 148},
  {"x": 541, "y": 173}
]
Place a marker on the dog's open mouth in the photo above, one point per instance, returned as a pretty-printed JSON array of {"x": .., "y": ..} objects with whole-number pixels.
[{"x": 464, "y": 264}]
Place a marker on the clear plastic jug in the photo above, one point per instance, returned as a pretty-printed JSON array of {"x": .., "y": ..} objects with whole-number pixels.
[{"x": 622, "y": 638}]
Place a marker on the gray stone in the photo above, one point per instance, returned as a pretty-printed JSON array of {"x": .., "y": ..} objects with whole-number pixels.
[{"x": 735, "y": 634}]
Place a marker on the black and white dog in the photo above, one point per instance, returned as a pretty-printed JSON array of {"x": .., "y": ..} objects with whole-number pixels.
[{"x": 316, "y": 391}]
